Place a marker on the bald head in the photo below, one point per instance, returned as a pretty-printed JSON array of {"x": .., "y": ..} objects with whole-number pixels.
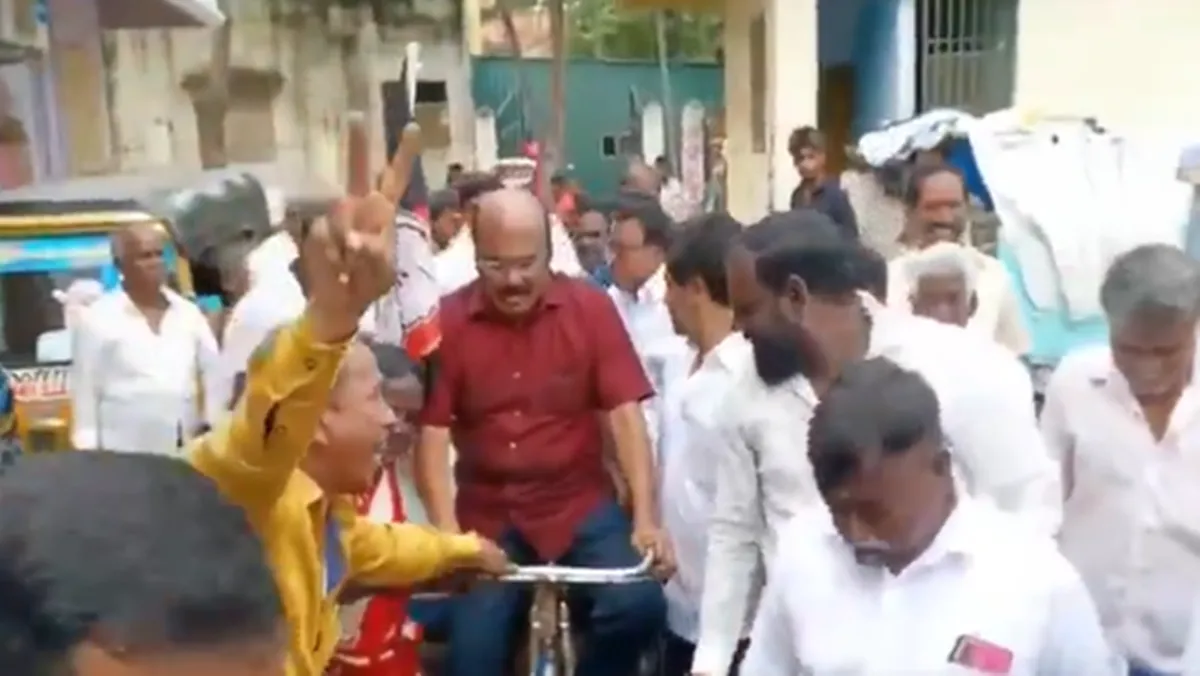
[
  {"x": 136, "y": 235},
  {"x": 512, "y": 249},
  {"x": 643, "y": 178},
  {"x": 509, "y": 212},
  {"x": 138, "y": 252}
]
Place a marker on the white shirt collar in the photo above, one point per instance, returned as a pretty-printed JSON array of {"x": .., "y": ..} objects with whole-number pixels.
[{"x": 653, "y": 290}]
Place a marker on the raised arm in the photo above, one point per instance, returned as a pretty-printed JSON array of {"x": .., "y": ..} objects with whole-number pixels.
[
  {"x": 733, "y": 567},
  {"x": 348, "y": 262},
  {"x": 252, "y": 456}
]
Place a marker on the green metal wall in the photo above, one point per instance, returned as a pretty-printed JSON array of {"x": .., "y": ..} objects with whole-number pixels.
[{"x": 597, "y": 104}]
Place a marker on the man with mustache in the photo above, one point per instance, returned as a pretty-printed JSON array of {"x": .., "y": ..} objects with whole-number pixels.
[
  {"x": 937, "y": 203},
  {"x": 533, "y": 363},
  {"x": 900, "y": 573},
  {"x": 794, "y": 284}
]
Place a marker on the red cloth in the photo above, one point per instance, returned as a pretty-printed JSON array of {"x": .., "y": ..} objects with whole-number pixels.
[
  {"x": 387, "y": 643},
  {"x": 522, "y": 400}
]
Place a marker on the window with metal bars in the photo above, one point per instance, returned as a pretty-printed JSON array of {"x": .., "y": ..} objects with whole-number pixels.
[{"x": 966, "y": 54}]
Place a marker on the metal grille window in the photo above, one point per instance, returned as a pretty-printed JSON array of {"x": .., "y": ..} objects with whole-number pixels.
[{"x": 966, "y": 54}]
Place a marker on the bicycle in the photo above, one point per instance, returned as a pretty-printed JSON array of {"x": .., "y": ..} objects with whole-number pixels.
[{"x": 551, "y": 644}]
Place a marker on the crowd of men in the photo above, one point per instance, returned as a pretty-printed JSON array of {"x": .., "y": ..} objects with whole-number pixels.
[{"x": 831, "y": 450}]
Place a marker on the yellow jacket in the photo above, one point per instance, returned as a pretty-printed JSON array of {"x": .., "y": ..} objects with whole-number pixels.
[{"x": 254, "y": 460}]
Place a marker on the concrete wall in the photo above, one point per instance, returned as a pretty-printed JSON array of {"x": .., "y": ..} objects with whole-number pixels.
[
  {"x": 1130, "y": 63},
  {"x": 151, "y": 121},
  {"x": 760, "y": 174}
]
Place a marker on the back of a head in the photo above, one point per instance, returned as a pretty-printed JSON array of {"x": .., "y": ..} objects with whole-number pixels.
[
  {"x": 874, "y": 407},
  {"x": 133, "y": 553},
  {"x": 699, "y": 250},
  {"x": 807, "y": 244}
]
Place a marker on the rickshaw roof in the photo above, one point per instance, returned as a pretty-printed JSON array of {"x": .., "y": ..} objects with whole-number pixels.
[{"x": 134, "y": 192}]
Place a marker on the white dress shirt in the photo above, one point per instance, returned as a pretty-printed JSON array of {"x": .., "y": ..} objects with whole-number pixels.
[
  {"x": 1131, "y": 524},
  {"x": 1191, "y": 656},
  {"x": 997, "y": 310},
  {"x": 273, "y": 300},
  {"x": 985, "y": 577},
  {"x": 136, "y": 390},
  {"x": 687, "y": 463},
  {"x": 648, "y": 322},
  {"x": 764, "y": 476}
]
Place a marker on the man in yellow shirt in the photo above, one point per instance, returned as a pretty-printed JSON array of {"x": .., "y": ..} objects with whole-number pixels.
[{"x": 303, "y": 439}]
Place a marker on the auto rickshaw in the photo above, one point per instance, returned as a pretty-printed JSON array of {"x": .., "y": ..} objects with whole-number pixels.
[{"x": 54, "y": 237}]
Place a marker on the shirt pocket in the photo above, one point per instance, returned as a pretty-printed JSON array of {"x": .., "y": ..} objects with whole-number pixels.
[{"x": 563, "y": 393}]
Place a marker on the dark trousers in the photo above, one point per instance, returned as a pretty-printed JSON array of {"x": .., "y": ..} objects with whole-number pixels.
[
  {"x": 622, "y": 621},
  {"x": 677, "y": 654}
]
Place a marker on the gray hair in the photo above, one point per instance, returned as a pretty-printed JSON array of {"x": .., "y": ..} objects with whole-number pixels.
[
  {"x": 1158, "y": 281},
  {"x": 943, "y": 259}
]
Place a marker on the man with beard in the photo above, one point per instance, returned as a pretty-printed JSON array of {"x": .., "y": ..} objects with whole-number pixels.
[
  {"x": 794, "y": 284},
  {"x": 946, "y": 584}
]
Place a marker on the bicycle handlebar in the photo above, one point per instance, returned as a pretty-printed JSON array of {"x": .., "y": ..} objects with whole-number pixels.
[{"x": 577, "y": 575}]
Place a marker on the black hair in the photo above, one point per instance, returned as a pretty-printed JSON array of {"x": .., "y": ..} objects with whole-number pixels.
[
  {"x": 139, "y": 553},
  {"x": 394, "y": 363},
  {"x": 805, "y": 138},
  {"x": 658, "y": 230},
  {"x": 584, "y": 203},
  {"x": 807, "y": 244},
  {"x": 441, "y": 201},
  {"x": 873, "y": 407},
  {"x": 923, "y": 172},
  {"x": 874, "y": 273},
  {"x": 700, "y": 250},
  {"x": 474, "y": 184}
]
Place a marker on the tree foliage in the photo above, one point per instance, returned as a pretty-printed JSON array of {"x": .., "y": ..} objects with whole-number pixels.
[{"x": 601, "y": 29}]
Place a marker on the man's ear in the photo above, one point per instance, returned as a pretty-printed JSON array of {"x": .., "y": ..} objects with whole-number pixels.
[{"x": 795, "y": 298}]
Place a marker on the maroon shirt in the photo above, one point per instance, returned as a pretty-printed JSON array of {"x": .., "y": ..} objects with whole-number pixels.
[{"x": 522, "y": 400}]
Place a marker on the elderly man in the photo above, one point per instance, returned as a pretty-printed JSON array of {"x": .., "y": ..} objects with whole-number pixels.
[
  {"x": 946, "y": 584},
  {"x": 794, "y": 284},
  {"x": 144, "y": 357},
  {"x": 301, "y": 445},
  {"x": 1122, "y": 418},
  {"x": 532, "y": 365},
  {"x": 937, "y": 212},
  {"x": 941, "y": 282}
]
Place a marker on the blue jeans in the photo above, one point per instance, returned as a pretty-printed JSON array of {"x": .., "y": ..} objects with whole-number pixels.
[
  {"x": 1136, "y": 669},
  {"x": 622, "y": 621}
]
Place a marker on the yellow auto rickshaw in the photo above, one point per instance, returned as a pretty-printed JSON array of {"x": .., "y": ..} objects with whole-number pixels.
[{"x": 54, "y": 240}]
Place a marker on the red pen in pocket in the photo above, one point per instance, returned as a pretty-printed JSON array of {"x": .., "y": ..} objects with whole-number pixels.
[{"x": 975, "y": 653}]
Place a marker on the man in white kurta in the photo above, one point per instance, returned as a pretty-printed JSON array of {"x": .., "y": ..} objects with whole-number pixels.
[
  {"x": 986, "y": 394},
  {"x": 899, "y": 573},
  {"x": 144, "y": 358},
  {"x": 1124, "y": 419}
]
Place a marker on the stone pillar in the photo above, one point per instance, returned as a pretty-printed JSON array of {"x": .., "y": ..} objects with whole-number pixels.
[
  {"x": 793, "y": 82},
  {"x": 77, "y": 60},
  {"x": 744, "y": 154}
]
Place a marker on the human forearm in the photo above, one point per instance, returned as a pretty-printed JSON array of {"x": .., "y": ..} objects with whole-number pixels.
[
  {"x": 287, "y": 387},
  {"x": 431, "y": 471},
  {"x": 402, "y": 554},
  {"x": 632, "y": 450}
]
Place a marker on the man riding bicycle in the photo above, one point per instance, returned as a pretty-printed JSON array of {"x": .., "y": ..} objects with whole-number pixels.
[{"x": 532, "y": 366}]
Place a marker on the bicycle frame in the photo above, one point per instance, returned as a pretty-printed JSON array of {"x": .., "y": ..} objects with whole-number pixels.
[{"x": 551, "y": 650}]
